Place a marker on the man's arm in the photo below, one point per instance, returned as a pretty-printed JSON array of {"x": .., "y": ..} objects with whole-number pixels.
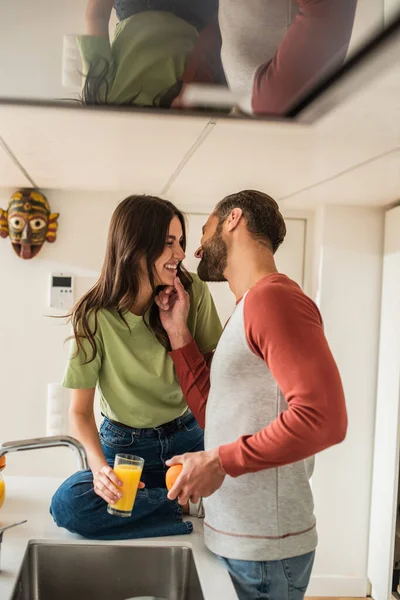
[
  {"x": 318, "y": 39},
  {"x": 284, "y": 328},
  {"x": 192, "y": 368},
  {"x": 204, "y": 63},
  {"x": 98, "y": 13},
  {"x": 193, "y": 372}
]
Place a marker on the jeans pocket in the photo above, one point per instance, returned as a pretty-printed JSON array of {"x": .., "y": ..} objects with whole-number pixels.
[
  {"x": 298, "y": 572},
  {"x": 247, "y": 577},
  {"x": 117, "y": 438}
]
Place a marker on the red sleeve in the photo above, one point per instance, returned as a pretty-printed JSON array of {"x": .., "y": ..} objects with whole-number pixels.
[
  {"x": 284, "y": 328},
  {"x": 318, "y": 39},
  {"x": 192, "y": 370},
  {"x": 204, "y": 63}
]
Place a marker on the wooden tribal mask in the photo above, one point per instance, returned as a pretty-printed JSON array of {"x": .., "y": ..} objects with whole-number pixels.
[{"x": 29, "y": 222}]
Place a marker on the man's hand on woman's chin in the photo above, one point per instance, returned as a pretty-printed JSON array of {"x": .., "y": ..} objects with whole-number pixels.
[{"x": 174, "y": 305}]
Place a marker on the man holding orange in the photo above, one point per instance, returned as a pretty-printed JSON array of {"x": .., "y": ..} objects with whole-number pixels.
[{"x": 270, "y": 401}]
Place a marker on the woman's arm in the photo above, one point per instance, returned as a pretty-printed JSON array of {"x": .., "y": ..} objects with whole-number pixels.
[
  {"x": 83, "y": 427},
  {"x": 98, "y": 13}
]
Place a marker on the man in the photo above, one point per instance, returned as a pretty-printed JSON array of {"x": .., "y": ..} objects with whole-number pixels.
[
  {"x": 272, "y": 399},
  {"x": 272, "y": 57}
]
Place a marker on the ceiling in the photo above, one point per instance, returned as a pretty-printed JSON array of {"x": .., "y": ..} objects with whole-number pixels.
[{"x": 351, "y": 156}]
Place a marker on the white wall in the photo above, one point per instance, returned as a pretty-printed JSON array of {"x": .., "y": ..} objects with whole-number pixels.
[
  {"x": 32, "y": 349},
  {"x": 348, "y": 289},
  {"x": 386, "y": 455},
  {"x": 31, "y": 41},
  {"x": 369, "y": 19},
  {"x": 391, "y": 8}
]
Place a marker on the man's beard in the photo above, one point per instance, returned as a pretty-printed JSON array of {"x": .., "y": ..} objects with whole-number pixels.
[{"x": 214, "y": 260}]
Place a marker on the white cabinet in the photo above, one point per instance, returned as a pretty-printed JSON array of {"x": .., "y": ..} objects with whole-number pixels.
[{"x": 386, "y": 453}]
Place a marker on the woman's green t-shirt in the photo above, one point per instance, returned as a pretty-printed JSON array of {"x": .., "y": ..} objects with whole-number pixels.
[
  {"x": 147, "y": 57},
  {"x": 134, "y": 373}
]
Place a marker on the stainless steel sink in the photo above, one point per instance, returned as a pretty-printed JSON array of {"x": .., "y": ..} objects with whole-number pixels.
[{"x": 52, "y": 571}]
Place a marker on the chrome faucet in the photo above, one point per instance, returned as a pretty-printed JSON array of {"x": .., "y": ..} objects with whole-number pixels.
[{"x": 47, "y": 442}]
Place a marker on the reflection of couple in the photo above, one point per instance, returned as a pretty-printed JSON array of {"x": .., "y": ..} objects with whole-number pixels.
[
  {"x": 266, "y": 391},
  {"x": 162, "y": 45}
]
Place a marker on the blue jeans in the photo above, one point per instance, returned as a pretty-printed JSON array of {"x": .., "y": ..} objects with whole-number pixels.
[
  {"x": 198, "y": 13},
  {"x": 273, "y": 579},
  {"x": 76, "y": 507}
]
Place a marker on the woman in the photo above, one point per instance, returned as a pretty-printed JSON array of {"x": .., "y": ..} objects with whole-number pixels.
[
  {"x": 121, "y": 347},
  {"x": 155, "y": 42}
]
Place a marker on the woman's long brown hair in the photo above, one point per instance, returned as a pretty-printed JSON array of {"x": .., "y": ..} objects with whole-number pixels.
[{"x": 139, "y": 228}]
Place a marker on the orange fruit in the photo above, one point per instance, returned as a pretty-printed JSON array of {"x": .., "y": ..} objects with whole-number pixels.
[
  {"x": 2, "y": 462},
  {"x": 172, "y": 475}
]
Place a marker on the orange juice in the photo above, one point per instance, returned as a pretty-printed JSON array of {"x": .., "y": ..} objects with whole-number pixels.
[
  {"x": 2, "y": 492},
  {"x": 130, "y": 477}
]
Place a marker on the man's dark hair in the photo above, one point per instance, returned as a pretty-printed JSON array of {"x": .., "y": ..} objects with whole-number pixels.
[{"x": 264, "y": 220}]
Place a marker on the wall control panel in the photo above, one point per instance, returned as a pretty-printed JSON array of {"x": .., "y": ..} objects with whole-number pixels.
[{"x": 61, "y": 291}]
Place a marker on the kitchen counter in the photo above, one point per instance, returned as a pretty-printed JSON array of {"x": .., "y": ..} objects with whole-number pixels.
[{"x": 29, "y": 498}]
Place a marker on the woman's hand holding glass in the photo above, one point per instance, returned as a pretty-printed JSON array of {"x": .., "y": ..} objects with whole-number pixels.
[{"x": 106, "y": 482}]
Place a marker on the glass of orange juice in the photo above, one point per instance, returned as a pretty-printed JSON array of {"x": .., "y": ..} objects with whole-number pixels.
[{"x": 129, "y": 469}]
